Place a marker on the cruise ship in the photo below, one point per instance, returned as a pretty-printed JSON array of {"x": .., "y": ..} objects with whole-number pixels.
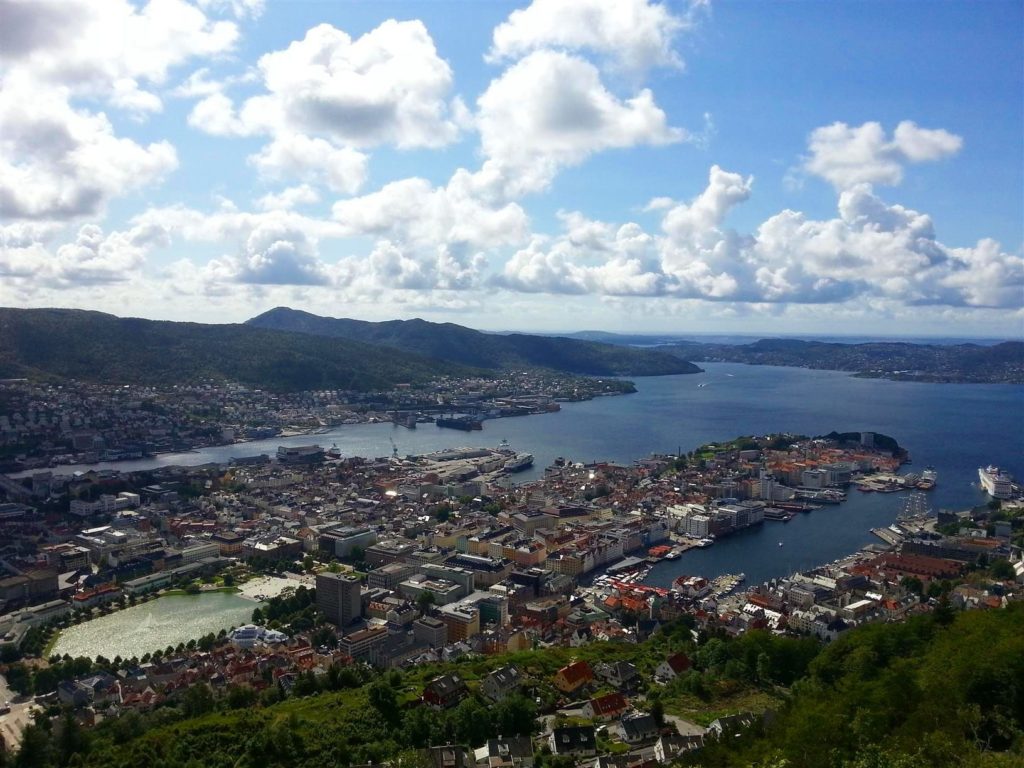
[
  {"x": 519, "y": 462},
  {"x": 995, "y": 482}
]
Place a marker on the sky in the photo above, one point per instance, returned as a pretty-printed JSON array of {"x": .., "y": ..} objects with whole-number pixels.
[{"x": 759, "y": 167}]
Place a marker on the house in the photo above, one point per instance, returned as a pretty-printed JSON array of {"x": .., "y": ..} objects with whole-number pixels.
[
  {"x": 621, "y": 674},
  {"x": 444, "y": 691},
  {"x": 450, "y": 756},
  {"x": 509, "y": 752},
  {"x": 572, "y": 677},
  {"x": 607, "y": 707},
  {"x": 501, "y": 683},
  {"x": 672, "y": 667},
  {"x": 731, "y": 725},
  {"x": 639, "y": 728},
  {"x": 671, "y": 745},
  {"x": 576, "y": 741}
]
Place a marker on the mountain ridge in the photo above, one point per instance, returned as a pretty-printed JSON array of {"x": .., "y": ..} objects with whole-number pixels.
[{"x": 466, "y": 346}]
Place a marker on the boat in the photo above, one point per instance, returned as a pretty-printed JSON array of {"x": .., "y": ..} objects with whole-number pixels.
[
  {"x": 928, "y": 479},
  {"x": 705, "y": 542},
  {"x": 519, "y": 462},
  {"x": 996, "y": 482},
  {"x": 334, "y": 452},
  {"x": 465, "y": 423},
  {"x": 780, "y": 543}
]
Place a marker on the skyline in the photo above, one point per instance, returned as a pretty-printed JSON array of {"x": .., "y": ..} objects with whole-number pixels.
[{"x": 737, "y": 168}]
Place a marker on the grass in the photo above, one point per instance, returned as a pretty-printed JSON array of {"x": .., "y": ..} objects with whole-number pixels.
[{"x": 696, "y": 710}]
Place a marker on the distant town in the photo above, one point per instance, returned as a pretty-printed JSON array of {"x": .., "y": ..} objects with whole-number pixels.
[
  {"x": 43, "y": 424},
  {"x": 397, "y": 561}
]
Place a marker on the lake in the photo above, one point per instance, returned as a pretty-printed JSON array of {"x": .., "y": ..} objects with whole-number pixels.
[{"x": 152, "y": 626}]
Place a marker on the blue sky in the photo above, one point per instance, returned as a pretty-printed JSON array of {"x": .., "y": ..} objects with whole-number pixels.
[{"x": 741, "y": 167}]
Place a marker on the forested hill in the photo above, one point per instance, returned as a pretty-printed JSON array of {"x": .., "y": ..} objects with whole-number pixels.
[
  {"x": 943, "y": 690},
  {"x": 93, "y": 346},
  {"x": 466, "y": 346},
  {"x": 999, "y": 363}
]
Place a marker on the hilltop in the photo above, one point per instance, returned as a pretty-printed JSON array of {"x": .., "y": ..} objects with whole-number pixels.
[
  {"x": 97, "y": 347},
  {"x": 465, "y": 346}
]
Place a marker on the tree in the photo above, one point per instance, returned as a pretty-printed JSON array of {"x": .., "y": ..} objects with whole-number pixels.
[
  {"x": 308, "y": 562},
  {"x": 382, "y": 698},
  {"x": 424, "y": 600},
  {"x": 198, "y": 700}
]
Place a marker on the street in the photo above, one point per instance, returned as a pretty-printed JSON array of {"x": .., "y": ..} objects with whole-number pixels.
[{"x": 12, "y": 724}]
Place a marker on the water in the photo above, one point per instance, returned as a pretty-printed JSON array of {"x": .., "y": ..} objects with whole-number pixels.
[
  {"x": 954, "y": 427},
  {"x": 152, "y": 626}
]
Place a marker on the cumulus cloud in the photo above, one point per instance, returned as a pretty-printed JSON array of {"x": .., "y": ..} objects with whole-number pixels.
[
  {"x": 294, "y": 156},
  {"x": 551, "y": 110},
  {"x": 275, "y": 253},
  {"x": 289, "y": 198},
  {"x": 92, "y": 259},
  {"x": 58, "y": 162},
  {"x": 103, "y": 49},
  {"x": 871, "y": 251},
  {"x": 387, "y": 87},
  {"x": 635, "y": 34},
  {"x": 846, "y": 155}
]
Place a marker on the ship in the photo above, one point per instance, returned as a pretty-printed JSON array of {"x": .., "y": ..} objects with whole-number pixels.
[
  {"x": 519, "y": 462},
  {"x": 915, "y": 505},
  {"x": 465, "y": 423},
  {"x": 928, "y": 479},
  {"x": 995, "y": 482}
]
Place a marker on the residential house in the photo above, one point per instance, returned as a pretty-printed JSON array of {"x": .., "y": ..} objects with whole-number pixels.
[
  {"x": 607, "y": 707},
  {"x": 639, "y": 728},
  {"x": 731, "y": 725},
  {"x": 444, "y": 691},
  {"x": 572, "y": 677},
  {"x": 501, "y": 683},
  {"x": 575, "y": 740},
  {"x": 509, "y": 752},
  {"x": 620, "y": 674},
  {"x": 450, "y": 756},
  {"x": 671, "y": 745},
  {"x": 672, "y": 667}
]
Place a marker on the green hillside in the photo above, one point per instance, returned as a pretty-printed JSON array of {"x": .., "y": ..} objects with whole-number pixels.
[
  {"x": 466, "y": 346},
  {"x": 92, "y": 346},
  {"x": 940, "y": 690}
]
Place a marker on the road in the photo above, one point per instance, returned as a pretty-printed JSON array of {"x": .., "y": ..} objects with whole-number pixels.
[{"x": 14, "y": 722}]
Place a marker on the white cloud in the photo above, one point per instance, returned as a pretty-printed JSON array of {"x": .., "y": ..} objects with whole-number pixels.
[
  {"x": 872, "y": 251},
  {"x": 550, "y": 111},
  {"x": 387, "y": 87},
  {"x": 59, "y": 163},
  {"x": 846, "y": 156},
  {"x": 92, "y": 259},
  {"x": 59, "y": 160},
  {"x": 275, "y": 253},
  {"x": 414, "y": 212},
  {"x": 635, "y": 34},
  {"x": 294, "y": 156},
  {"x": 289, "y": 198},
  {"x": 107, "y": 48}
]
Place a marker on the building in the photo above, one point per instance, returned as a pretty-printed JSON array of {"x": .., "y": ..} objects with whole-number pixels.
[
  {"x": 462, "y": 621},
  {"x": 338, "y": 596},
  {"x": 575, "y": 741},
  {"x": 364, "y": 645},
  {"x": 445, "y": 691},
  {"x": 572, "y": 677},
  {"x": 431, "y": 631},
  {"x": 501, "y": 683}
]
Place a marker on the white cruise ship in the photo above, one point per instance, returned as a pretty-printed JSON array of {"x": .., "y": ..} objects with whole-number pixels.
[{"x": 996, "y": 483}]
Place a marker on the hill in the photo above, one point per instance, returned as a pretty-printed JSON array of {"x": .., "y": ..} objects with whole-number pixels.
[
  {"x": 940, "y": 690},
  {"x": 93, "y": 346},
  {"x": 998, "y": 363},
  {"x": 466, "y": 346}
]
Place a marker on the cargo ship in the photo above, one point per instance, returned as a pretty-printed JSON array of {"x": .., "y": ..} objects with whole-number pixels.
[{"x": 465, "y": 423}]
